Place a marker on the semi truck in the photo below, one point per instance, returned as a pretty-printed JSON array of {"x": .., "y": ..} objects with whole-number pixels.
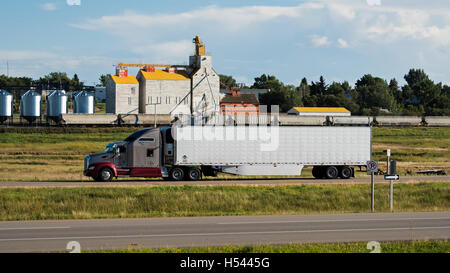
[{"x": 194, "y": 152}]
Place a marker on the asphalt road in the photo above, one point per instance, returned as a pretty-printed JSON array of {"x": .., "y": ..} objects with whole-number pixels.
[
  {"x": 47, "y": 236},
  {"x": 222, "y": 182}
]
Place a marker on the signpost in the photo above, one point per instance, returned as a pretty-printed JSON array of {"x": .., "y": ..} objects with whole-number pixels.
[
  {"x": 391, "y": 177},
  {"x": 372, "y": 167}
]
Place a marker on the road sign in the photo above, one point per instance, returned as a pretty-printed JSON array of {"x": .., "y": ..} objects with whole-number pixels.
[
  {"x": 392, "y": 177},
  {"x": 372, "y": 166}
]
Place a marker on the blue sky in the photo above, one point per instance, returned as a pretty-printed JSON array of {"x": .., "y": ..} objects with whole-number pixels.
[{"x": 339, "y": 39}]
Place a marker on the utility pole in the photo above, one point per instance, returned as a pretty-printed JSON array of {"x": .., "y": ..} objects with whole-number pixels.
[
  {"x": 154, "y": 104},
  {"x": 372, "y": 192},
  {"x": 372, "y": 167},
  {"x": 7, "y": 69}
]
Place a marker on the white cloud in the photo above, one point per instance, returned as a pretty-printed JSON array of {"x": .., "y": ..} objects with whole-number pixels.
[
  {"x": 344, "y": 11},
  {"x": 35, "y": 63},
  {"x": 374, "y": 2},
  {"x": 230, "y": 20},
  {"x": 342, "y": 43},
  {"x": 49, "y": 6},
  {"x": 319, "y": 41},
  {"x": 363, "y": 22},
  {"x": 166, "y": 51}
]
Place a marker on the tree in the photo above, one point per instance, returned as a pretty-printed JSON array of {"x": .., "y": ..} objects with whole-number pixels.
[
  {"x": 76, "y": 84},
  {"x": 336, "y": 89},
  {"x": 285, "y": 97},
  {"x": 304, "y": 89},
  {"x": 319, "y": 88},
  {"x": 267, "y": 82},
  {"x": 374, "y": 92},
  {"x": 395, "y": 90},
  {"x": 55, "y": 80},
  {"x": 421, "y": 91},
  {"x": 415, "y": 76},
  {"x": 227, "y": 80},
  {"x": 15, "y": 85},
  {"x": 103, "y": 79}
]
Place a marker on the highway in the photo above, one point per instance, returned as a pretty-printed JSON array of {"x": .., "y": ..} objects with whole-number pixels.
[
  {"x": 107, "y": 234},
  {"x": 238, "y": 181}
]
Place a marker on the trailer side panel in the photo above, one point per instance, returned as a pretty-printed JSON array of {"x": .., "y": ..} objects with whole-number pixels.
[{"x": 247, "y": 145}]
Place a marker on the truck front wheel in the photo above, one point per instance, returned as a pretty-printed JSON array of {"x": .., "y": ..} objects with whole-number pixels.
[{"x": 105, "y": 175}]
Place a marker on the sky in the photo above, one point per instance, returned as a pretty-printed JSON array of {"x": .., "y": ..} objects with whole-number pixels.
[{"x": 291, "y": 39}]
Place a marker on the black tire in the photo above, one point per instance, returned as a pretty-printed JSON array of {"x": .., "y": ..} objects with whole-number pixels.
[
  {"x": 105, "y": 175},
  {"x": 345, "y": 172},
  {"x": 176, "y": 174},
  {"x": 331, "y": 172},
  {"x": 316, "y": 172},
  {"x": 194, "y": 174}
]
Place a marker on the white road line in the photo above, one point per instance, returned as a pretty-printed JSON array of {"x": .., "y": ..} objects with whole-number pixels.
[
  {"x": 325, "y": 221},
  {"x": 31, "y": 228},
  {"x": 220, "y": 233}
]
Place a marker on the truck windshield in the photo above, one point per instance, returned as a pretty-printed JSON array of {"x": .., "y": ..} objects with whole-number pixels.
[{"x": 136, "y": 135}]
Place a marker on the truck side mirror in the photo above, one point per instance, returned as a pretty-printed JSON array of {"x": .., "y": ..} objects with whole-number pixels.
[{"x": 117, "y": 151}]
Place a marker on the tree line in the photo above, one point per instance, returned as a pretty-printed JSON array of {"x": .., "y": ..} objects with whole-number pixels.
[
  {"x": 369, "y": 96},
  {"x": 52, "y": 81}
]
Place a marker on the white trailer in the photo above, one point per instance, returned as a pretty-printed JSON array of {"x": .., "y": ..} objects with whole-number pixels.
[
  {"x": 273, "y": 150},
  {"x": 190, "y": 152}
]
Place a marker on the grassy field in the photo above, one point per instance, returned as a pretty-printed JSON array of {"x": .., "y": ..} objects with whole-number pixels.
[
  {"x": 165, "y": 201},
  {"x": 414, "y": 148},
  {"x": 26, "y": 152},
  {"x": 435, "y": 246}
]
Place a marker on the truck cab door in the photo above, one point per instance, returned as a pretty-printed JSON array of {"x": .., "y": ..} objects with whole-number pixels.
[
  {"x": 122, "y": 161},
  {"x": 147, "y": 151}
]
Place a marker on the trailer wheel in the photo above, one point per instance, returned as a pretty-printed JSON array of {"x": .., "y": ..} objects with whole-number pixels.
[
  {"x": 316, "y": 172},
  {"x": 176, "y": 174},
  {"x": 331, "y": 172},
  {"x": 105, "y": 175},
  {"x": 194, "y": 174},
  {"x": 345, "y": 172}
]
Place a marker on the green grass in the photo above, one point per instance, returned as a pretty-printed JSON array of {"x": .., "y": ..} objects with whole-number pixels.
[
  {"x": 165, "y": 201},
  {"x": 434, "y": 246}
]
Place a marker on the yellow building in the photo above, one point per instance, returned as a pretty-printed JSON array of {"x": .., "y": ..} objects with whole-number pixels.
[{"x": 320, "y": 111}]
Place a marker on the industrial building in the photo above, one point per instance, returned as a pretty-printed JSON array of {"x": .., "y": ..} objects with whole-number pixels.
[
  {"x": 320, "y": 111},
  {"x": 236, "y": 103},
  {"x": 173, "y": 89},
  {"x": 162, "y": 91},
  {"x": 205, "y": 82},
  {"x": 256, "y": 92},
  {"x": 122, "y": 93}
]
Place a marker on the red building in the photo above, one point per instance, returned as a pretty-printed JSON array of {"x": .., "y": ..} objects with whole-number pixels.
[{"x": 236, "y": 103}]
